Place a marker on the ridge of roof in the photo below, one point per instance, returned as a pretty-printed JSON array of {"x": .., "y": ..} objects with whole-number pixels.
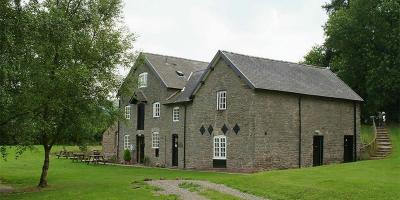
[
  {"x": 276, "y": 60},
  {"x": 166, "y": 68},
  {"x": 155, "y": 54}
]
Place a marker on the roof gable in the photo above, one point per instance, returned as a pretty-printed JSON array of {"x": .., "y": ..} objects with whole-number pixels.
[
  {"x": 186, "y": 93},
  {"x": 172, "y": 71},
  {"x": 262, "y": 73}
]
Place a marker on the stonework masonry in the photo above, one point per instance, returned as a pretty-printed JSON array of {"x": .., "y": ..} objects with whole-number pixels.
[{"x": 269, "y": 121}]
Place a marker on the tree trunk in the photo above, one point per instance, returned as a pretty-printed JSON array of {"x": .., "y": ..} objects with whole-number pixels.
[{"x": 43, "y": 177}]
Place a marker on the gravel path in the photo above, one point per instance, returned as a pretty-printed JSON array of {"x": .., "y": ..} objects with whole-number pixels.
[
  {"x": 5, "y": 188},
  {"x": 172, "y": 187}
]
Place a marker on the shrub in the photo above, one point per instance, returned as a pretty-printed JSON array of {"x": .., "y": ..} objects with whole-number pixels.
[
  {"x": 83, "y": 148},
  {"x": 127, "y": 155}
]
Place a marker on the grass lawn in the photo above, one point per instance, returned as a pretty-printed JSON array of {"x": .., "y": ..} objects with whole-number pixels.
[
  {"x": 367, "y": 134},
  {"x": 378, "y": 179}
]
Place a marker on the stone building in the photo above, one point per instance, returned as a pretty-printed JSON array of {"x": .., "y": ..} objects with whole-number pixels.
[
  {"x": 109, "y": 142},
  {"x": 238, "y": 112}
]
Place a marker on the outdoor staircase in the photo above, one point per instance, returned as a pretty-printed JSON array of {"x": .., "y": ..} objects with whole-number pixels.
[{"x": 383, "y": 143}]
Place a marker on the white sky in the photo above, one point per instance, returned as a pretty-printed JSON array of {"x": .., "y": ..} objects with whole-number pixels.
[{"x": 276, "y": 29}]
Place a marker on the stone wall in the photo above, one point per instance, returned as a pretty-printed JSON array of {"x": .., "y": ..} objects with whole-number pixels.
[
  {"x": 109, "y": 142},
  {"x": 240, "y": 151},
  {"x": 154, "y": 92},
  {"x": 269, "y": 124}
]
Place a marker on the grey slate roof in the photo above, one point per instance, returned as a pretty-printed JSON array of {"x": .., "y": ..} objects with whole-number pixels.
[
  {"x": 262, "y": 73},
  {"x": 185, "y": 95},
  {"x": 166, "y": 66}
]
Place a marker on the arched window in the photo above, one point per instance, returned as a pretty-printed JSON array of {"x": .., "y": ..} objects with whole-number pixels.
[{"x": 142, "y": 81}]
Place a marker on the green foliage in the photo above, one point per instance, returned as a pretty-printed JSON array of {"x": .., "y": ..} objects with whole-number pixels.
[
  {"x": 127, "y": 155},
  {"x": 58, "y": 67},
  {"x": 363, "y": 41},
  {"x": 367, "y": 134},
  {"x": 58, "y": 64},
  {"x": 317, "y": 56},
  {"x": 83, "y": 148}
]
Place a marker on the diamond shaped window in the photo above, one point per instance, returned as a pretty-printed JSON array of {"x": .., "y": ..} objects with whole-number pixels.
[
  {"x": 224, "y": 129},
  {"x": 202, "y": 129},
  {"x": 236, "y": 129},
  {"x": 210, "y": 129}
]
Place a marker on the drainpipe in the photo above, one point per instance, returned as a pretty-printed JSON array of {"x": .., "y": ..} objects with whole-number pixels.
[
  {"x": 355, "y": 130},
  {"x": 119, "y": 106},
  {"x": 117, "y": 140},
  {"x": 184, "y": 138},
  {"x": 299, "y": 131}
]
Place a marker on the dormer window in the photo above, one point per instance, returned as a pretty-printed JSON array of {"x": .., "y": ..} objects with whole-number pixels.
[
  {"x": 180, "y": 73},
  {"x": 142, "y": 81}
]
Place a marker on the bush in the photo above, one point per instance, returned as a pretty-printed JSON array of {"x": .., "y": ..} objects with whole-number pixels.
[
  {"x": 83, "y": 148},
  {"x": 127, "y": 155}
]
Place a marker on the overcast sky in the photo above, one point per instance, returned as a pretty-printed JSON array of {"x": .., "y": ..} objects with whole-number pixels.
[{"x": 276, "y": 29}]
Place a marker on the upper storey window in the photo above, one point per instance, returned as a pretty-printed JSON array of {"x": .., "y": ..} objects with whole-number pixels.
[
  {"x": 221, "y": 100},
  {"x": 156, "y": 109},
  {"x": 127, "y": 112},
  {"x": 175, "y": 114},
  {"x": 142, "y": 81}
]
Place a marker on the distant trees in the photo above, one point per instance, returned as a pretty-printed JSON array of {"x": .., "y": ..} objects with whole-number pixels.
[
  {"x": 58, "y": 60},
  {"x": 363, "y": 47}
]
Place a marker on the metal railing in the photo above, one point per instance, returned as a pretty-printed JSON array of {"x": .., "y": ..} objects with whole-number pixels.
[{"x": 369, "y": 149}]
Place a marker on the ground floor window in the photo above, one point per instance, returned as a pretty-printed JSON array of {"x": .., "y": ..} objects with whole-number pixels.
[
  {"x": 220, "y": 147},
  {"x": 155, "y": 140},
  {"x": 126, "y": 142}
]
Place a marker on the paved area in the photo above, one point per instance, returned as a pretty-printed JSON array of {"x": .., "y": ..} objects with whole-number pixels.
[{"x": 172, "y": 187}]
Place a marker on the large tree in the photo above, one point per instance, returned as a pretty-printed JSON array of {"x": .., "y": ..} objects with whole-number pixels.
[
  {"x": 363, "y": 47},
  {"x": 58, "y": 62}
]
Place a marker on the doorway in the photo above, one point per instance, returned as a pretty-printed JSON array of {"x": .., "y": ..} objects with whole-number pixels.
[
  {"x": 140, "y": 116},
  {"x": 348, "y": 148},
  {"x": 140, "y": 148},
  {"x": 318, "y": 150},
  {"x": 174, "y": 150}
]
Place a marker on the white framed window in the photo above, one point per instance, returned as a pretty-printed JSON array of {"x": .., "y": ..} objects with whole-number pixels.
[
  {"x": 142, "y": 81},
  {"x": 175, "y": 114},
  {"x": 220, "y": 147},
  {"x": 156, "y": 109},
  {"x": 127, "y": 112},
  {"x": 155, "y": 140},
  {"x": 127, "y": 144},
  {"x": 221, "y": 100}
]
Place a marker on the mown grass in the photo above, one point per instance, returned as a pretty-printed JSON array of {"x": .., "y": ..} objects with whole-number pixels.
[
  {"x": 193, "y": 187},
  {"x": 367, "y": 134},
  {"x": 215, "y": 195},
  {"x": 375, "y": 179}
]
